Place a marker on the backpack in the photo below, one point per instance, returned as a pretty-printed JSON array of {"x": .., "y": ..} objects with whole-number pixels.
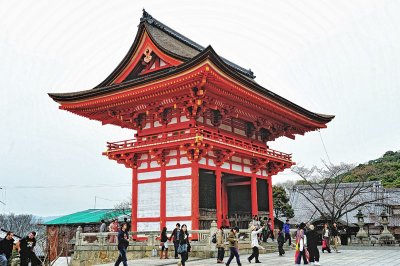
[{"x": 214, "y": 238}]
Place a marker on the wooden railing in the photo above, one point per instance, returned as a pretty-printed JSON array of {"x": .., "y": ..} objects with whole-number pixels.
[{"x": 207, "y": 135}]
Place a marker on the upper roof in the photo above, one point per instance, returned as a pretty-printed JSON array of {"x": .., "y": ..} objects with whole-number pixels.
[
  {"x": 87, "y": 217},
  {"x": 188, "y": 54}
]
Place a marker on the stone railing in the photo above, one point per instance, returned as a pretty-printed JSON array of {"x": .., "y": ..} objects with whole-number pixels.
[{"x": 97, "y": 248}]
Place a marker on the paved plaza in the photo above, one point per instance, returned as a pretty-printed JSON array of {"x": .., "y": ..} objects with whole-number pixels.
[{"x": 368, "y": 257}]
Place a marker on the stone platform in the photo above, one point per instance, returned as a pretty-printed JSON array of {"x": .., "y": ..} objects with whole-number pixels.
[{"x": 370, "y": 257}]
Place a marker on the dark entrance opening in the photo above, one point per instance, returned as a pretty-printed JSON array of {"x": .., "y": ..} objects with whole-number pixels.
[
  {"x": 239, "y": 200},
  {"x": 262, "y": 198},
  {"x": 207, "y": 198}
]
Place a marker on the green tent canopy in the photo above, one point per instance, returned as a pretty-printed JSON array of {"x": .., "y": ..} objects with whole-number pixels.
[{"x": 89, "y": 216}]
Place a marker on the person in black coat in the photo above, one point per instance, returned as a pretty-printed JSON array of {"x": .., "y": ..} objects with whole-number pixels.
[
  {"x": 281, "y": 241},
  {"x": 6, "y": 247},
  {"x": 123, "y": 243},
  {"x": 312, "y": 243},
  {"x": 26, "y": 253},
  {"x": 175, "y": 235},
  {"x": 184, "y": 240}
]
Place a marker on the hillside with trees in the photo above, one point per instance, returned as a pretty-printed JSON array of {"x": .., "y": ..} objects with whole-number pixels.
[{"x": 386, "y": 169}]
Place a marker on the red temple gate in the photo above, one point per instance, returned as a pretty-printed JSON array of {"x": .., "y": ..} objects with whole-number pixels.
[{"x": 200, "y": 152}]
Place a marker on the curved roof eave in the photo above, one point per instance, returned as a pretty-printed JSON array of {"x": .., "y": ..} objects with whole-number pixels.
[{"x": 207, "y": 53}]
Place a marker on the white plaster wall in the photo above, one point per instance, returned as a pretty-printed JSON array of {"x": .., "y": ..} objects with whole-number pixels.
[
  {"x": 179, "y": 198},
  {"x": 236, "y": 167},
  {"x": 184, "y": 118},
  {"x": 143, "y": 165},
  {"x": 149, "y": 175},
  {"x": 184, "y": 160},
  {"x": 157, "y": 123},
  {"x": 171, "y": 225},
  {"x": 226, "y": 166},
  {"x": 211, "y": 162},
  {"x": 148, "y": 226},
  {"x": 174, "y": 120},
  {"x": 172, "y": 162},
  {"x": 203, "y": 161},
  {"x": 149, "y": 200},
  {"x": 179, "y": 172},
  {"x": 246, "y": 169}
]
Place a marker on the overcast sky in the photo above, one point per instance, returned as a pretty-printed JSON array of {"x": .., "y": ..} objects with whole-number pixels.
[{"x": 332, "y": 57}]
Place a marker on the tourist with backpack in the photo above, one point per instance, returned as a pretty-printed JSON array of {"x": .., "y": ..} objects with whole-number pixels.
[
  {"x": 184, "y": 245},
  {"x": 219, "y": 240}
]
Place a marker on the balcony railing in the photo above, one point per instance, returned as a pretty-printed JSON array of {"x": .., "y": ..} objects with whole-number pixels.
[{"x": 207, "y": 135}]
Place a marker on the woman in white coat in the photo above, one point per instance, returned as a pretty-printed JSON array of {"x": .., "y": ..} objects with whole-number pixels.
[
  {"x": 301, "y": 247},
  {"x": 254, "y": 243}
]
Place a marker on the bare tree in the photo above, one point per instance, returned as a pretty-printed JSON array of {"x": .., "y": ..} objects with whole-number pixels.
[
  {"x": 20, "y": 224},
  {"x": 325, "y": 189}
]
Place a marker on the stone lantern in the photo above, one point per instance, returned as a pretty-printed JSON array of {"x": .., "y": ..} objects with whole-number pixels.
[
  {"x": 361, "y": 234},
  {"x": 385, "y": 236}
]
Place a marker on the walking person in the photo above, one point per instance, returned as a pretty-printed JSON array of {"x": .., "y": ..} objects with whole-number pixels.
[
  {"x": 270, "y": 230},
  {"x": 233, "y": 246},
  {"x": 312, "y": 245},
  {"x": 286, "y": 230},
  {"x": 254, "y": 243},
  {"x": 103, "y": 227},
  {"x": 113, "y": 227},
  {"x": 184, "y": 245},
  {"x": 164, "y": 243},
  {"x": 335, "y": 236},
  {"x": 6, "y": 247},
  {"x": 325, "y": 239},
  {"x": 301, "y": 247},
  {"x": 175, "y": 236},
  {"x": 123, "y": 244},
  {"x": 281, "y": 242},
  {"x": 128, "y": 224},
  {"x": 26, "y": 253},
  {"x": 220, "y": 245}
]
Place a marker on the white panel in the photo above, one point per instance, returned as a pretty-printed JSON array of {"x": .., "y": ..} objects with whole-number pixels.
[
  {"x": 236, "y": 159},
  {"x": 143, "y": 166},
  {"x": 157, "y": 123},
  {"x": 200, "y": 119},
  {"x": 173, "y": 152},
  {"x": 148, "y": 226},
  {"x": 174, "y": 120},
  {"x": 239, "y": 131},
  {"x": 246, "y": 169},
  {"x": 264, "y": 173},
  {"x": 259, "y": 172},
  {"x": 225, "y": 166},
  {"x": 246, "y": 161},
  {"x": 184, "y": 160},
  {"x": 208, "y": 122},
  {"x": 211, "y": 162},
  {"x": 147, "y": 126},
  {"x": 172, "y": 162},
  {"x": 236, "y": 167},
  {"x": 179, "y": 172},
  {"x": 149, "y": 175},
  {"x": 179, "y": 198},
  {"x": 144, "y": 156},
  {"x": 154, "y": 164},
  {"x": 149, "y": 200},
  {"x": 210, "y": 153},
  {"x": 171, "y": 225},
  {"x": 226, "y": 127},
  {"x": 203, "y": 161},
  {"x": 162, "y": 63}
]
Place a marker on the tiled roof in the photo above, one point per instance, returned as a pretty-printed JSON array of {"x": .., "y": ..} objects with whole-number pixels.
[{"x": 176, "y": 43}]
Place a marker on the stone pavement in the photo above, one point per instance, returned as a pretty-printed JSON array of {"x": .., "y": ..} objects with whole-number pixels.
[{"x": 368, "y": 257}]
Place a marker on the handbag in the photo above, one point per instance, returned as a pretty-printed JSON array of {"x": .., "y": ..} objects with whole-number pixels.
[
  {"x": 182, "y": 248},
  {"x": 324, "y": 244}
]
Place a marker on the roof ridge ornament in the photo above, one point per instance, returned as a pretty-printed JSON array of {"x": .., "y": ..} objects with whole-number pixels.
[{"x": 146, "y": 17}]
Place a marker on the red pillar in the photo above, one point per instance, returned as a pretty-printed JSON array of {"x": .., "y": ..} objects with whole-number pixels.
[
  {"x": 163, "y": 198},
  {"x": 218, "y": 191},
  {"x": 254, "y": 203},
  {"x": 224, "y": 203},
  {"x": 195, "y": 196},
  {"x": 134, "y": 200},
  {"x": 270, "y": 201}
]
